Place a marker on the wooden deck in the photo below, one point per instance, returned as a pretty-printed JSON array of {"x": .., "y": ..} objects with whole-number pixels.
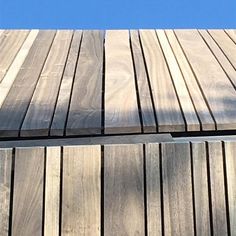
[
  {"x": 63, "y": 83},
  {"x": 175, "y": 188}
]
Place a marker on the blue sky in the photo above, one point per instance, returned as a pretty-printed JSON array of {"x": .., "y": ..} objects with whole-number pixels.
[{"x": 104, "y": 14}]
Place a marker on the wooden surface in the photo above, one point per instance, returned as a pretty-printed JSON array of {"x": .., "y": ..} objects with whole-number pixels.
[
  {"x": 91, "y": 82},
  {"x": 174, "y": 188}
]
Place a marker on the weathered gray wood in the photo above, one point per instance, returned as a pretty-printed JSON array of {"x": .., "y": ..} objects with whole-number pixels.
[
  {"x": 147, "y": 112},
  {"x": 177, "y": 189},
  {"x": 16, "y": 103},
  {"x": 168, "y": 111},
  {"x": 123, "y": 190},
  {"x": 81, "y": 196},
  {"x": 28, "y": 192},
  {"x": 232, "y": 34},
  {"x": 9, "y": 47},
  {"x": 52, "y": 191},
  {"x": 121, "y": 108},
  {"x": 62, "y": 106},
  {"x": 85, "y": 112},
  {"x": 153, "y": 190},
  {"x": 218, "y": 204},
  {"x": 230, "y": 160},
  {"x": 200, "y": 182},
  {"x": 214, "y": 83},
  {"x": 40, "y": 112},
  {"x": 5, "y": 188}
]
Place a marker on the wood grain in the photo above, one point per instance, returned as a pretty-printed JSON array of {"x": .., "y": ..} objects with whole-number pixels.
[
  {"x": 15, "y": 106},
  {"x": 121, "y": 108},
  {"x": 232, "y": 34},
  {"x": 28, "y": 192},
  {"x": 85, "y": 112},
  {"x": 179, "y": 84},
  {"x": 214, "y": 83},
  {"x": 81, "y": 191},
  {"x": 200, "y": 182},
  {"x": 153, "y": 189},
  {"x": 177, "y": 189},
  {"x": 147, "y": 112},
  {"x": 40, "y": 112},
  {"x": 123, "y": 190},
  {"x": 62, "y": 106},
  {"x": 5, "y": 188},
  {"x": 217, "y": 188},
  {"x": 230, "y": 160},
  {"x": 167, "y": 108},
  {"x": 52, "y": 191}
]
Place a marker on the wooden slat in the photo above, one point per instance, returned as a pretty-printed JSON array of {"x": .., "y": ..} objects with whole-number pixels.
[
  {"x": 16, "y": 103},
  {"x": 40, "y": 112},
  {"x": 86, "y": 102},
  {"x": 121, "y": 108},
  {"x": 177, "y": 189},
  {"x": 52, "y": 192},
  {"x": 153, "y": 190},
  {"x": 214, "y": 83},
  {"x": 81, "y": 191},
  {"x": 9, "y": 47},
  {"x": 232, "y": 34},
  {"x": 148, "y": 118},
  {"x": 62, "y": 106},
  {"x": 28, "y": 192},
  {"x": 226, "y": 65},
  {"x": 16, "y": 65},
  {"x": 207, "y": 123},
  {"x": 200, "y": 182},
  {"x": 5, "y": 185},
  {"x": 217, "y": 188},
  {"x": 226, "y": 44},
  {"x": 168, "y": 112},
  {"x": 123, "y": 190},
  {"x": 230, "y": 160},
  {"x": 178, "y": 80}
]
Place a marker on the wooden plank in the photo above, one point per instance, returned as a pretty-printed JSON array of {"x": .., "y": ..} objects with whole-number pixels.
[
  {"x": 52, "y": 191},
  {"x": 179, "y": 84},
  {"x": 62, "y": 106},
  {"x": 222, "y": 59},
  {"x": 5, "y": 188},
  {"x": 85, "y": 112},
  {"x": 28, "y": 192},
  {"x": 9, "y": 47},
  {"x": 40, "y": 112},
  {"x": 217, "y": 188},
  {"x": 230, "y": 160},
  {"x": 226, "y": 44},
  {"x": 121, "y": 108},
  {"x": 214, "y": 83},
  {"x": 16, "y": 65},
  {"x": 168, "y": 111},
  {"x": 147, "y": 112},
  {"x": 15, "y": 106},
  {"x": 153, "y": 190},
  {"x": 200, "y": 183},
  {"x": 177, "y": 189},
  {"x": 206, "y": 121},
  {"x": 81, "y": 191},
  {"x": 232, "y": 34},
  {"x": 123, "y": 190}
]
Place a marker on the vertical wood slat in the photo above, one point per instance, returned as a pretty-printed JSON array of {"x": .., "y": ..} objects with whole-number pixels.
[
  {"x": 177, "y": 189},
  {"x": 28, "y": 192},
  {"x": 123, "y": 190},
  {"x": 121, "y": 108},
  {"x": 81, "y": 191},
  {"x": 16, "y": 103},
  {"x": 5, "y": 188},
  {"x": 62, "y": 106},
  {"x": 85, "y": 112}
]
